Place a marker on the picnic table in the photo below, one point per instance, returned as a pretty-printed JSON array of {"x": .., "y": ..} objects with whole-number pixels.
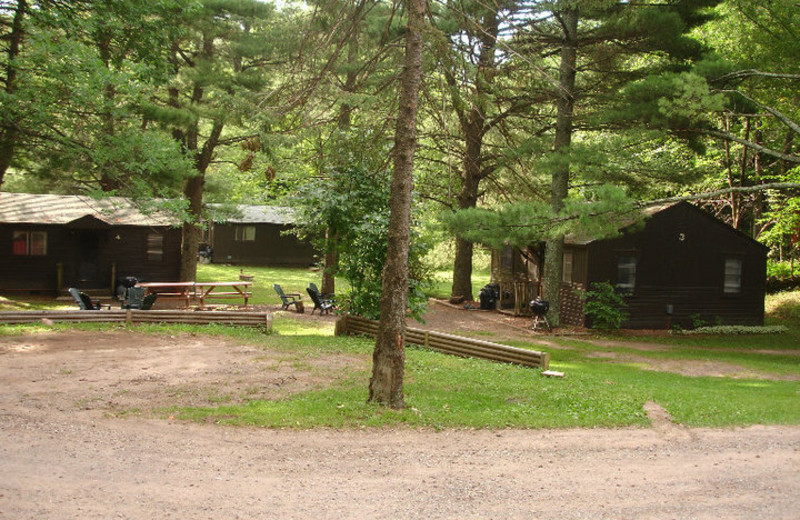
[{"x": 188, "y": 291}]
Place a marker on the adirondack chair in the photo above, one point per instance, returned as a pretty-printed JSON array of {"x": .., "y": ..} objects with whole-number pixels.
[
  {"x": 135, "y": 299},
  {"x": 323, "y": 304},
  {"x": 330, "y": 296},
  {"x": 288, "y": 299},
  {"x": 148, "y": 301},
  {"x": 85, "y": 302}
]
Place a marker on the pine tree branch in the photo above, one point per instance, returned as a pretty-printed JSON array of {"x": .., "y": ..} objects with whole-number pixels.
[
  {"x": 741, "y": 74},
  {"x": 716, "y": 193},
  {"x": 750, "y": 144},
  {"x": 779, "y": 115}
]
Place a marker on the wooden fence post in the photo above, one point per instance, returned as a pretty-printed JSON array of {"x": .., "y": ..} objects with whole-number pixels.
[{"x": 340, "y": 329}]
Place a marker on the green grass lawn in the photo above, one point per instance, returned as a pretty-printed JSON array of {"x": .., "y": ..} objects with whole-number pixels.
[
  {"x": 296, "y": 280},
  {"x": 291, "y": 280},
  {"x": 449, "y": 392},
  {"x": 604, "y": 386}
]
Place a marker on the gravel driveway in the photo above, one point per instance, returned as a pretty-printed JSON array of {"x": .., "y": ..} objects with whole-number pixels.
[{"x": 66, "y": 452}]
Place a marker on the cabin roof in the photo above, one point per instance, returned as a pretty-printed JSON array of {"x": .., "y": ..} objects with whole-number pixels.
[
  {"x": 250, "y": 214},
  {"x": 634, "y": 218},
  {"x": 650, "y": 211},
  {"x": 29, "y": 208}
]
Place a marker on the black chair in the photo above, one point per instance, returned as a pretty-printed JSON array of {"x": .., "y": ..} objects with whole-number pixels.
[
  {"x": 84, "y": 302},
  {"x": 330, "y": 296},
  {"x": 148, "y": 301},
  {"x": 323, "y": 304},
  {"x": 288, "y": 299},
  {"x": 135, "y": 298}
]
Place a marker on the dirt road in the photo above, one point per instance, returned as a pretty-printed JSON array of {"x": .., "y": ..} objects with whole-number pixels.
[{"x": 66, "y": 451}]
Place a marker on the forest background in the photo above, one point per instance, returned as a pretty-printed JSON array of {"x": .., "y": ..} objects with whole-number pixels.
[{"x": 535, "y": 118}]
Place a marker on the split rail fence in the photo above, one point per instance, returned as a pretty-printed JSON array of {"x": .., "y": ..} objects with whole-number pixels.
[
  {"x": 451, "y": 344},
  {"x": 132, "y": 316}
]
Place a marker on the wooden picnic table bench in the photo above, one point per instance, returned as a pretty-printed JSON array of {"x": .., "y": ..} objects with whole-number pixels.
[{"x": 202, "y": 291}]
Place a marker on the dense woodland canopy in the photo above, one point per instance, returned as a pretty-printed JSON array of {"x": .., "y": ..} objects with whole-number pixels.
[{"x": 533, "y": 116}]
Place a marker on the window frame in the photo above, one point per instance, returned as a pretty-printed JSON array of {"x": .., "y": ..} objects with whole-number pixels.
[
  {"x": 35, "y": 243},
  {"x": 154, "y": 247},
  {"x": 730, "y": 289},
  {"x": 567, "y": 266},
  {"x": 632, "y": 266},
  {"x": 244, "y": 233}
]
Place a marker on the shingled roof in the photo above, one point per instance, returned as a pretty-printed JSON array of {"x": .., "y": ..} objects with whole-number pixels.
[
  {"x": 28, "y": 208},
  {"x": 248, "y": 214}
]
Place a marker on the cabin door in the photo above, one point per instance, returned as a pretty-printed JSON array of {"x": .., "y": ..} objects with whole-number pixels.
[{"x": 88, "y": 258}]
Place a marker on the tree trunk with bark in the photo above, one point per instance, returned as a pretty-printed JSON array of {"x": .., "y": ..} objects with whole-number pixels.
[
  {"x": 474, "y": 130},
  {"x": 10, "y": 133},
  {"x": 388, "y": 359},
  {"x": 474, "y": 126},
  {"x": 193, "y": 191},
  {"x": 559, "y": 186}
]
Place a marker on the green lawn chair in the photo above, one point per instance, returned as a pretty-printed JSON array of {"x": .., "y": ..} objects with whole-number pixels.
[{"x": 288, "y": 299}]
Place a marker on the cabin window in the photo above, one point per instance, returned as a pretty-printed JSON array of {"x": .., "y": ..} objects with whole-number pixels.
[
  {"x": 626, "y": 273},
  {"x": 155, "y": 247},
  {"x": 733, "y": 276},
  {"x": 29, "y": 243},
  {"x": 245, "y": 233},
  {"x": 566, "y": 273}
]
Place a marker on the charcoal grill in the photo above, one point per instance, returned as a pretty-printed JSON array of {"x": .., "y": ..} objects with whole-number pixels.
[{"x": 539, "y": 308}]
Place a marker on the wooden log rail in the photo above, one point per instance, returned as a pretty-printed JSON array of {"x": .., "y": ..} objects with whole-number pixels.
[
  {"x": 133, "y": 316},
  {"x": 451, "y": 344}
]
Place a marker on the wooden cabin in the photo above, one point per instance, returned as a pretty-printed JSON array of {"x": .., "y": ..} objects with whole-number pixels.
[
  {"x": 52, "y": 242},
  {"x": 258, "y": 235},
  {"x": 680, "y": 267}
]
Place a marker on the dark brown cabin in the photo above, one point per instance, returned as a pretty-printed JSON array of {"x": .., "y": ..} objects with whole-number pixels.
[
  {"x": 53, "y": 242},
  {"x": 259, "y": 235},
  {"x": 681, "y": 267}
]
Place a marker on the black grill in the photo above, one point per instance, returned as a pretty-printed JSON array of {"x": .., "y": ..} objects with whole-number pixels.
[{"x": 539, "y": 307}]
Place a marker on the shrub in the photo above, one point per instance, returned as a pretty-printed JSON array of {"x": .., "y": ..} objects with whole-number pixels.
[
  {"x": 604, "y": 306},
  {"x": 738, "y": 329}
]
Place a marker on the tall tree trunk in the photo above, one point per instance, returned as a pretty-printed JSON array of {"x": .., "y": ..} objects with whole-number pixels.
[
  {"x": 559, "y": 187},
  {"x": 10, "y": 133},
  {"x": 331, "y": 259},
  {"x": 474, "y": 127},
  {"x": 193, "y": 191},
  {"x": 474, "y": 130},
  {"x": 330, "y": 263},
  {"x": 388, "y": 358},
  {"x": 462, "y": 270},
  {"x": 108, "y": 180}
]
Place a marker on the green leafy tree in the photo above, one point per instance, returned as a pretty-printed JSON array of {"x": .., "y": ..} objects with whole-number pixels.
[
  {"x": 468, "y": 110},
  {"x": 738, "y": 104},
  {"x": 75, "y": 85},
  {"x": 355, "y": 203},
  {"x": 222, "y": 91},
  {"x": 584, "y": 53}
]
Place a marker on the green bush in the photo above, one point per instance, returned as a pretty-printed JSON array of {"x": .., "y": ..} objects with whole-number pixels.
[
  {"x": 604, "y": 306},
  {"x": 738, "y": 329}
]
